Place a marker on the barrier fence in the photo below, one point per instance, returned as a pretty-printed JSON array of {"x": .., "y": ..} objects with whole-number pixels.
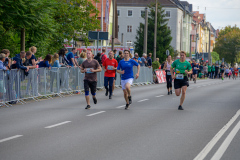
[{"x": 16, "y": 86}]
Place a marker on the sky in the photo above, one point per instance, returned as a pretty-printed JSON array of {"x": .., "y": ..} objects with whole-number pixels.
[{"x": 219, "y": 13}]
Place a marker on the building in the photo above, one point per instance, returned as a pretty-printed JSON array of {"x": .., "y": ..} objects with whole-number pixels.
[{"x": 179, "y": 15}]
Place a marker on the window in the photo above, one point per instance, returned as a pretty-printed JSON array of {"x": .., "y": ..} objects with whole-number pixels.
[
  {"x": 129, "y": 13},
  {"x": 129, "y": 28},
  {"x": 142, "y": 13},
  {"x": 118, "y": 13},
  {"x": 168, "y": 14}
]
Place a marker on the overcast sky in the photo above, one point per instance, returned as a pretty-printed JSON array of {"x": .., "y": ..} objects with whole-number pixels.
[{"x": 219, "y": 13}]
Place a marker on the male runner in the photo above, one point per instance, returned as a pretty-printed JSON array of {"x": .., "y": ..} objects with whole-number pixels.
[
  {"x": 90, "y": 67},
  {"x": 110, "y": 67},
  {"x": 182, "y": 69},
  {"x": 195, "y": 68},
  {"x": 125, "y": 68}
]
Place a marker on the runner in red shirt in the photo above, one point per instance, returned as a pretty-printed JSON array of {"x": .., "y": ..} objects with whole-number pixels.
[
  {"x": 103, "y": 55},
  {"x": 109, "y": 66}
]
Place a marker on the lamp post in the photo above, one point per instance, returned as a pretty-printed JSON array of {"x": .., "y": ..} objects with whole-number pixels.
[{"x": 155, "y": 34}]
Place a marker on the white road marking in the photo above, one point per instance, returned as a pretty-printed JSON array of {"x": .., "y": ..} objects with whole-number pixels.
[
  {"x": 143, "y": 100},
  {"x": 10, "y": 138},
  {"x": 189, "y": 88},
  {"x": 95, "y": 113},
  {"x": 215, "y": 139},
  {"x": 59, "y": 124},
  {"x": 221, "y": 150},
  {"x": 160, "y": 96},
  {"x": 121, "y": 106},
  {"x": 173, "y": 92},
  {"x": 198, "y": 86}
]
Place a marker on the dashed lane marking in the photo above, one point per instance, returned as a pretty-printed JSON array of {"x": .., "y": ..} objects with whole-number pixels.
[
  {"x": 95, "y": 113},
  {"x": 143, "y": 100},
  {"x": 10, "y": 138},
  {"x": 59, "y": 124},
  {"x": 121, "y": 106},
  {"x": 160, "y": 96}
]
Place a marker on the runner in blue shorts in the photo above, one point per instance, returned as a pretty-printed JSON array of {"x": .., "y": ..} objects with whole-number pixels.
[
  {"x": 195, "y": 68},
  {"x": 125, "y": 68}
]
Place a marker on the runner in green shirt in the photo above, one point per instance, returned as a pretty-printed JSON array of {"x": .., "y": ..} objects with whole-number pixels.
[
  {"x": 209, "y": 71},
  {"x": 182, "y": 69},
  {"x": 213, "y": 70}
]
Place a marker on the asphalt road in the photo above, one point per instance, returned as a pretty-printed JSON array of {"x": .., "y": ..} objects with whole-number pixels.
[{"x": 152, "y": 129}]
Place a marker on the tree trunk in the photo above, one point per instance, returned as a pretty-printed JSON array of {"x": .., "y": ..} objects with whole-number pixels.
[{"x": 23, "y": 39}]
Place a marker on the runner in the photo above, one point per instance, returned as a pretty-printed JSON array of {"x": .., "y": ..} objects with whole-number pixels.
[
  {"x": 182, "y": 69},
  {"x": 213, "y": 71},
  {"x": 110, "y": 67},
  {"x": 195, "y": 68},
  {"x": 222, "y": 68},
  {"x": 125, "y": 68},
  {"x": 235, "y": 73},
  {"x": 90, "y": 67},
  {"x": 209, "y": 70},
  {"x": 167, "y": 67}
]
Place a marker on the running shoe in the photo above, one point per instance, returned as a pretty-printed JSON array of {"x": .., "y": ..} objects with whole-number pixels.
[
  {"x": 168, "y": 93},
  {"x": 95, "y": 100},
  {"x": 171, "y": 91},
  {"x": 180, "y": 107},
  {"x": 110, "y": 97},
  {"x": 127, "y": 106},
  {"x": 88, "y": 107},
  {"x": 130, "y": 99}
]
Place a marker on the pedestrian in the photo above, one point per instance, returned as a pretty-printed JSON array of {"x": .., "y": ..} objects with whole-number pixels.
[
  {"x": 71, "y": 58},
  {"x": 30, "y": 60},
  {"x": 98, "y": 58},
  {"x": 167, "y": 67},
  {"x": 125, "y": 68},
  {"x": 4, "y": 68},
  {"x": 143, "y": 59},
  {"x": 182, "y": 69},
  {"x": 114, "y": 52},
  {"x": 7, "y": 63},
  {"x": 213, "y": 71},
  {"x": 90, "y": 67},
  {"x": 46, "y": 63},
  {"x": 195, "y": 69},
  {"x": 62, "y": 57},
  {"x": 149, "y": 60},
  {"x": 109, "y": 67},
  {"x": 216, "y": 70},
  {"x": 222, "y": 68},
  {"x": 33, "y": 58},
  {"x": 205, "y": 69},
  {"x": 103, "y": 55},
  {"x": 137, "y": 58},
  {"x": 18, "y": 62},
  {"x": 82, "y": 58},
  {"x": 209, "y": 70}
]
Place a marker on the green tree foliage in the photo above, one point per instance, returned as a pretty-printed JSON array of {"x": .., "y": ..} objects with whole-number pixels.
[
  {"x": 47, "y": 23},
  {"x": 163, "y": 34},
  {"x": 228, "y": 44},
  {"x": 215, "y": 57}
]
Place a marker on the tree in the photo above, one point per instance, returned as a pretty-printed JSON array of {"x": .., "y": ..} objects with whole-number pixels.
[
  {"x": 228, "y": 44},
  {"x": 163, "y": 34},
  {"x": 215, "y": 57}
]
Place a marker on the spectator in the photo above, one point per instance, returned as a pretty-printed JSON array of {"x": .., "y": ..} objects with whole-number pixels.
[
  {"x": 2, "y": 67},
  {"x": 83, "y": 57},
  {"x": 137, "y": 58},
  {"x": 71, "y": 59},
  {"x": 7, "y": 62},
  {"x": 143, "y": 59},
  {"x": 103, "y": 55},
  {"x": 2, "y": 60},
  {"x": 18, "y": 62},
  {"x": 149, "y": 60},
  {"x": 33, "y": 59},
  {"x": 205, "y": 70},
  {"x": 156, "y": 64},
  {"x": 53, "y": 74},
  {"x": 55, "y": 61},
  {"x": 62, "y": 58},
  {"x": 46, "y": 62},
  {"x": 29, "y": 61},
  {"x": 115, "y": 52},
  {"x": 120, "y": 56},
  {"x": 98, "y": 58}
]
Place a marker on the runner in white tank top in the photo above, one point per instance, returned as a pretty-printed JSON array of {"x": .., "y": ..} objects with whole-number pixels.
[{"x": 167, "y": 67}]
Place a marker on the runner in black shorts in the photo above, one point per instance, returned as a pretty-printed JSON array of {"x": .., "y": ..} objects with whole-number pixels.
[
  {"x": 182, "y": 69},
  {"x": 90, "y": 67},
  {"x": 222, "y": 69}
]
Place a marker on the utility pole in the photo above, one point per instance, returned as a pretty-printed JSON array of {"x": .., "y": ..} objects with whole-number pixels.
[
  {"x": 145, "y": 31},
  {"x": 190, "y": 53},
  {"x": 102, "y": 22},
  {"x": 155, "y": 34},
  {"x": 113, "y": 26},
  {"x": 209, "y": 51}
]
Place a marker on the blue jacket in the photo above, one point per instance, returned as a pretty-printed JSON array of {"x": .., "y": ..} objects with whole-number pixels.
[{"x": 19, "y": 63}]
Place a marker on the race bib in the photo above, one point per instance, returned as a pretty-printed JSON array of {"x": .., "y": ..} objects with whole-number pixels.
[
  {"x": 195, "y": 68},
  {"x": 110, "y": 67},
  {"x": 89, "y": 70},
  {"x": 169, "y": 73},
  {"x": 179, "y": 76}
]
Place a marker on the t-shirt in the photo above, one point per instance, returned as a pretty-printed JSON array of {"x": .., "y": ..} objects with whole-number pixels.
[
  {"x": 213, "y": 68},
  {"x": 143, "y": 61},
  {"x": 88, "y": 65},
  {"x": 69, "y": 56},
  {"x": 180, "y": 67},
  {"x": 209, "y": 68},
  {"x": 109, "y": 65},
  {"x": 149, "y": 60},
  {"x": 222, "y": 67},
  {"x": 103, "y": 57},
  {"x": 127, "y": 67},
  {"x": 30, "y": 60},
  {"x": 44, "y": 64},
  {"x": 195, "y": 66}
]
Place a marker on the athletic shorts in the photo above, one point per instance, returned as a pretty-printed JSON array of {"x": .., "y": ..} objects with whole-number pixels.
[
  {"x": 124, "y": 82},
  {"x": 222, "y": 71},
  {"x": 90, "y": 84},
  {"x": 195, "y": 72},
  {"x": 179, "y": 83},
  {"x": 115, "y": 78}
]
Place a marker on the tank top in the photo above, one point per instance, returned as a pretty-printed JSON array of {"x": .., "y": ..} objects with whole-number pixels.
[{"x": 168, "y": 66}]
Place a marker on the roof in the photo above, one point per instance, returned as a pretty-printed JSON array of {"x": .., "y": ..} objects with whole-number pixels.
[{"x": 145, "y": 3}]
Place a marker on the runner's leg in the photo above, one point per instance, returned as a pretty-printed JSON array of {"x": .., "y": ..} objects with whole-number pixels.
[{"x": 184, "y": 89}]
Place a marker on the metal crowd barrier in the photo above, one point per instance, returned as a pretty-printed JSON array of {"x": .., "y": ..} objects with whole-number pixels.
[{"x": 16, "y": 86}]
